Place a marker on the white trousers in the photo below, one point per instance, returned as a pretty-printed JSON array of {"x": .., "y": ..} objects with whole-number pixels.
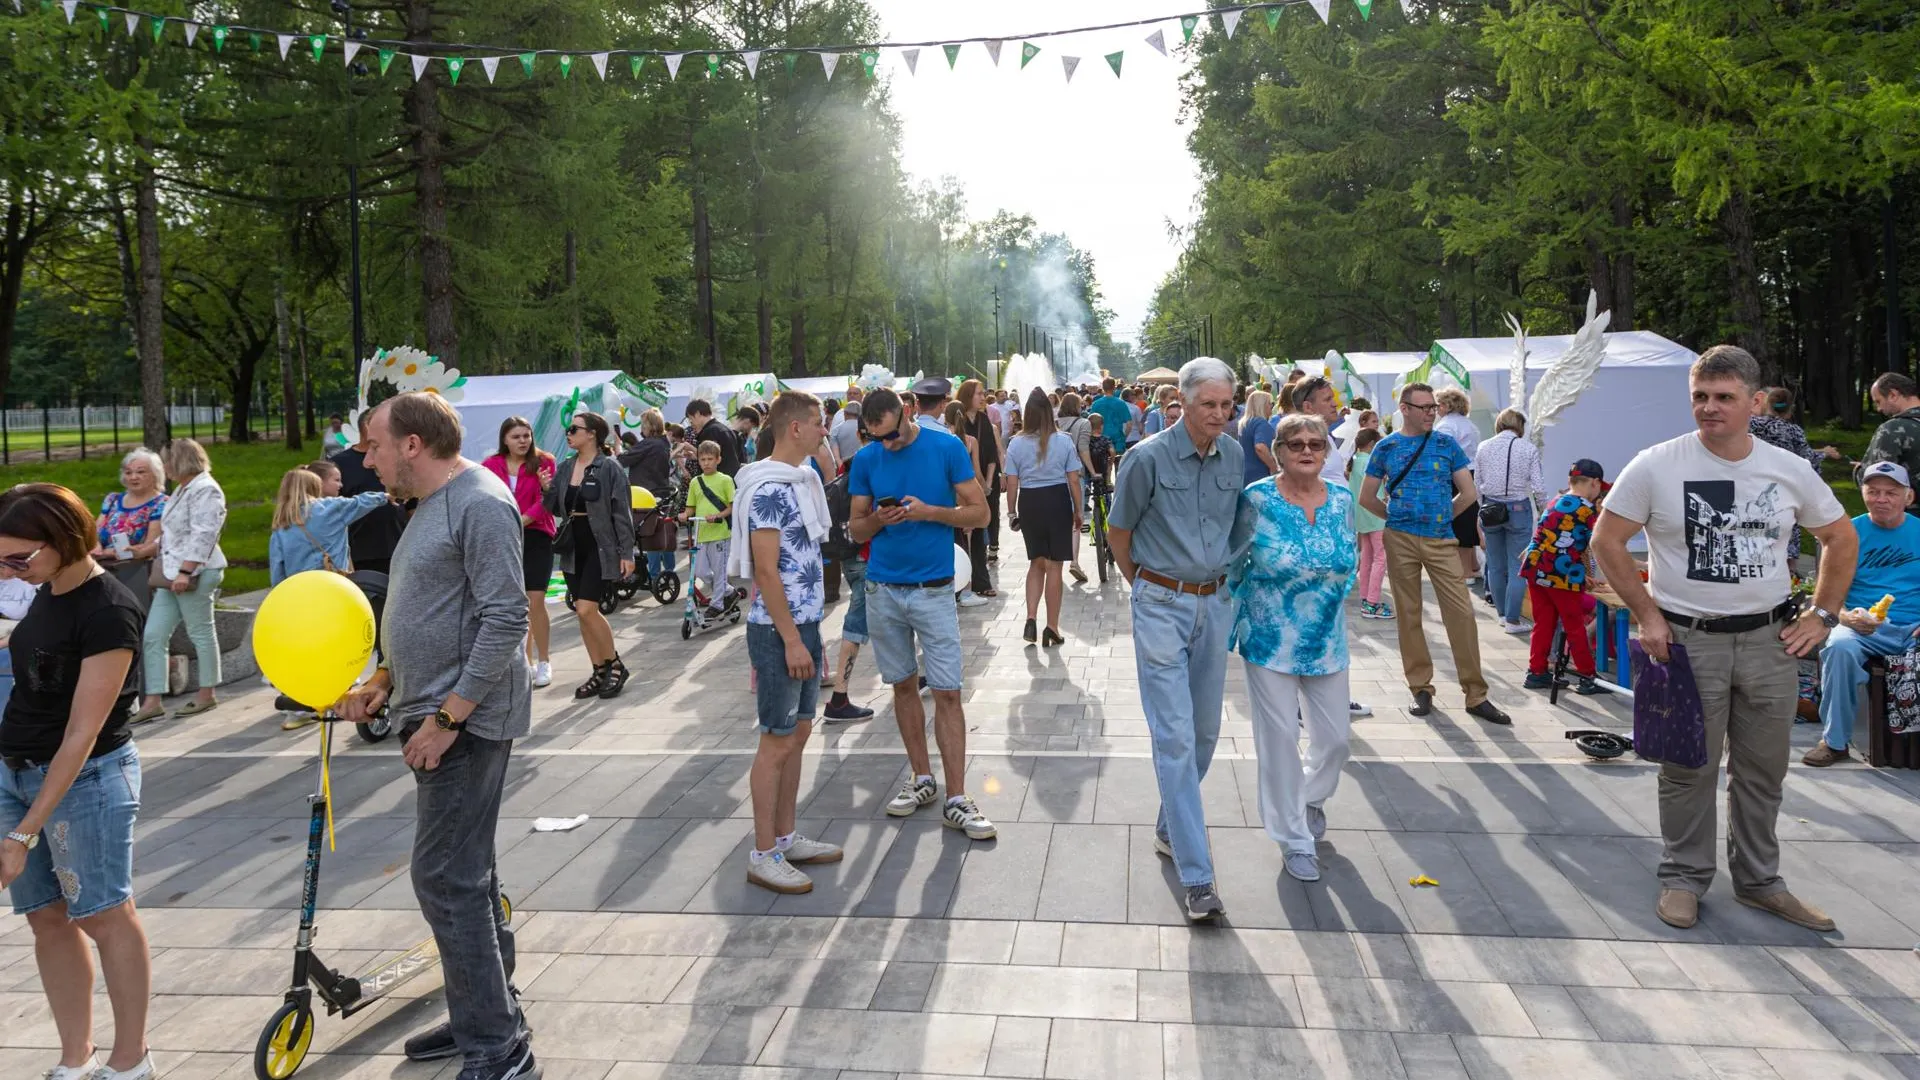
[
  {"x": 1281, "y": 703},
  {"x": 710, "y": 565}
]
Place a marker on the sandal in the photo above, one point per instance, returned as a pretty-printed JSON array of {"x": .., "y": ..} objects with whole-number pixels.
[
  {"x": 195, "y": 708},
  {"x": 591, "y": 688},
  {"x": 151, "y": 712},
  {"x": 616, "y": 680},
  {"x": 1079, "y": 575}
]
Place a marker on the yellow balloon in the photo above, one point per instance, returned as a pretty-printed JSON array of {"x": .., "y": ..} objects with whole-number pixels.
[
  {"x": 642, "y": 498},
  {"x": 312, "y": 636}
]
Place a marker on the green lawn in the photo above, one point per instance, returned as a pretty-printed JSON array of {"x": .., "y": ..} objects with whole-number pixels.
[
  {"x": 250, "y": 475},
  {"x": 1851, "y": 442}
]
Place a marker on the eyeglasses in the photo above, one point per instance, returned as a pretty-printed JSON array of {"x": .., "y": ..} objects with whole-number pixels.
[
  {"x": 1428, "y": 407},
  {"x": 1302, "y": 446},
  {"x": 18, "y": 563}
]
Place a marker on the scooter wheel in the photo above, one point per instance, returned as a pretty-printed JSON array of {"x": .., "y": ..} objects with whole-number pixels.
[
  {"x": 666, "y": 587},
  {"x": 733, "y": 616},
  {"x": 374, "y": 730},
  {"x": 284, "y": 1042},
  {"x": 686, "y": 630},
  {"x": 506, "y": 909}
]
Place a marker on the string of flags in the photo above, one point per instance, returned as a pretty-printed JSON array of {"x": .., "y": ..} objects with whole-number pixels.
[{"x": 455, "y": 57}]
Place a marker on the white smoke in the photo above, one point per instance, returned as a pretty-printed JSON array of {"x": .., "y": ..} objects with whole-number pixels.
[{"x": 1064, "y": 315}]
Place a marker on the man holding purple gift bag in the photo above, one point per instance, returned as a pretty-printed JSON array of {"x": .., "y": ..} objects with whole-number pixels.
[{"x": 1718, "y": 508}]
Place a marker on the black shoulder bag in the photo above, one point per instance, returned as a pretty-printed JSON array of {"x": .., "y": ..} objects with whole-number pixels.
[
  {"x": 708, "y": 492},
  {"x": 1492, "y": 511},
  {"x": 1411, "y": 462}
]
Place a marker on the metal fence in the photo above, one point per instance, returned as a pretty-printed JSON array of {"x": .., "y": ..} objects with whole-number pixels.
[{"x": 86, "y": 425}]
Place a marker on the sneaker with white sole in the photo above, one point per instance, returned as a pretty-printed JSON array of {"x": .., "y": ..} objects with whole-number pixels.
[
  {"x": 962, "y": 814},
  {"x": 142, "y": 1071},
  {"x": 912, "y": 795},
  {"x": 519, "y": 1065},
  {"x": 1162, "y": 846},
  {"x": 542, "y": 674},
  {"x": 74, "y": 1072},
  {"x": 972, "y": 599},
  {"x": 1356, "y": 709},
  {"x": 776, "y": 873},
  {"x": 1203, "y": 904},
  {"x": 1302, "y": 866},
  {"x": 807, "y": 850}
]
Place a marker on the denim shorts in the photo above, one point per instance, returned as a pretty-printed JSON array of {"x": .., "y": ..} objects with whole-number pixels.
[
  {"x": 853, "y": 627},
  {"x": 85, "y": 854},
  {"x": 898, "y": 615},
  {"x": 783, "y": 701}
]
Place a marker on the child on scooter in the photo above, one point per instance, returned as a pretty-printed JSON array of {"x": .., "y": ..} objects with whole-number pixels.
[{"x": 710, "y": 504}]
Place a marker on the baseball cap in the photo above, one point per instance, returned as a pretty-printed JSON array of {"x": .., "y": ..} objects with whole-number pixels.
[
  {"x": 1892, "y": 470},
  {"x": 1588, "y": 468},
  {"x": 934, "y": 388}
]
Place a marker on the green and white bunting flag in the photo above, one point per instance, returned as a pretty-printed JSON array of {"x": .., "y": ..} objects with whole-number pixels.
[
  {"x": 1366, "y": 9},
  {"x": 133, "y": 23},
  {"x": 1028, "y": 50},
  {"x": 219, "y": 38},
  {"x": 600, "y": 64},
  {"x": 869, "y": 58},
  {"x": 193, "y": 31},
  {"x": 1158, "y": 39},
  {"x": 69, "y": 6},
  {"x": 159, "y": 29},
  {"x": 350, "y": 49},
  {"x": 319, "y": 44},
  {"x": 286, "y": 43},
  {"x": 953, "y": 53},
  {"x": 993, "y": 50},
  {"x": 752, "y": 59},
  {"x": 254, "y": 42},
  {"x": 419, "y": 65},
  {"x": 1230, "y": 20},
  {"x": 1113, "y": 61},
  {"x": 489, "y": 66},
  {"x": 673, "y": 65},
  {"x": 454, "y": 64},
  {"x": 790, "y": 59},
  {"x": 911, "y": 57},
  {"x": 1188, "y": 24},
  {"x": 713, "y": 64},
  {"x": 386, "y": 60},
  {"x": 526, "y": 64},
  {"x": 830, "y": 60},
  {"x": 1439, "y": 359},
  {"x": 566, "y": 65},
  {"x": 635, "y": 63},
  {"x": 1069, "y": 64},
  {"x": 105, "y": 20},
  {"x": 1322, "y": 8},
  {"x": 1273, "y": 17}
]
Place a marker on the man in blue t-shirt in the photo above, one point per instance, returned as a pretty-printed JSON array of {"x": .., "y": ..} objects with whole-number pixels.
[
  {"x": 911, "y": 487},
  {"x": 1889, "y": 565},
  {"x": 1113, "y": 413},
  {"x": 1418, "y": 481}
]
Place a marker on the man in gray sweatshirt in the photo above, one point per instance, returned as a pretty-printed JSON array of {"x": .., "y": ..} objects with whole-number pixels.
[{"x": 457, "y": 686}]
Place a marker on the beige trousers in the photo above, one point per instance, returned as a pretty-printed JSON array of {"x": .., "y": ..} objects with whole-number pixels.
[{"x": 1407, "y": 556}]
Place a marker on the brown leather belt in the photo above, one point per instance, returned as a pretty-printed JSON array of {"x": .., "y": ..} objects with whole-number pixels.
[{"x": 1165, "y": 582}]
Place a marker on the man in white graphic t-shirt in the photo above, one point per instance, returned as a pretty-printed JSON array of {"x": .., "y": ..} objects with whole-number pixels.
[{"x": 1718, "y": 507}]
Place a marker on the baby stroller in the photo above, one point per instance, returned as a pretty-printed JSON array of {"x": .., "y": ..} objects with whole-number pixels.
[{"x": 655, "y": 528}]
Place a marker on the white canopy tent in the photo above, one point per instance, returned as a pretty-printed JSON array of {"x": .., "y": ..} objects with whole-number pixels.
[
  {"x": 1380, "y": 370},
  {"x": 720, "y": 388},
  {"x": 487, "y": 401}
]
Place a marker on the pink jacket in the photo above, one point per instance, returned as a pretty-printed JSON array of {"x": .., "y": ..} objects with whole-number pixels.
[{"x": 526, "y": 492}]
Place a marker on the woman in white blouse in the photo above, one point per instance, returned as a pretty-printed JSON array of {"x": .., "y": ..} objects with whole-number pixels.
[
  {"x": 187, "y": 579},
  {"x": 1507, "y": 471},
  {"x": 1458, "y": 426}
]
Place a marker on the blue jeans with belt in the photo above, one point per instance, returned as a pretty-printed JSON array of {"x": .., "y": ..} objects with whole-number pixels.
[
  {"x": 1505, "y": 544},
  {"x": 1180, "y": 652}
]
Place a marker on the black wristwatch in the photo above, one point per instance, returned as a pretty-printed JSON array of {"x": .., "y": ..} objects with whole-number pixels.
[
  {"x": 445, "y": 721},
  {"x": 1827, "y": 618}
]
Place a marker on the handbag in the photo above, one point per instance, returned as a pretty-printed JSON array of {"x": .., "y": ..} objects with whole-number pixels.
[
  {"x": 156, "y": 577},
  {"x": 1669, "y": 722},
  {"x": 1903, "y": 691},
  {"x": 1493, "y": 511}
]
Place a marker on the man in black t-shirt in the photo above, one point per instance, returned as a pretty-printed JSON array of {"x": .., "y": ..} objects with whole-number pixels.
[{"x": 704, "y": 428}]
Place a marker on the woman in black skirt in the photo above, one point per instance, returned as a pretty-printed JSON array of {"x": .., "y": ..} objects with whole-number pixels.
[
  {"x": 1043, "y": 505},
  {"x": 595, "y": 549}
]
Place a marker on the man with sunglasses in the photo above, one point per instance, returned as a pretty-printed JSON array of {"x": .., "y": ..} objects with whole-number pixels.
[{"x": 1418, "y": 481}]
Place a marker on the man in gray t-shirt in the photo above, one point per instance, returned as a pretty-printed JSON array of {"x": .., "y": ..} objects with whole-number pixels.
[{"x": 458, "y": 687}]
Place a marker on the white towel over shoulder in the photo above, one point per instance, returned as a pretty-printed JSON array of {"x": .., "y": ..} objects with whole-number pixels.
[{"x": 810, "y": 493}]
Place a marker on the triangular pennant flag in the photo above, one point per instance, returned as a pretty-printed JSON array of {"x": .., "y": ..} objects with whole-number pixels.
[
  {"x": 1321, "y": 8},
  {"x": 600, "y": 63},
  {"x": 1028, "y": 50},
  {"x": 713, "y": 64},
  {"x": 912, "y": 58},
  {"x": 993, "y": 50},
  {"x": 386, "y": 60},
  {"x": 953, "y": 53},
  {"x": 68, "y": 6},
  {"x": 193, "y": 31},
  {"x": 1158, "y": 39},
  {"x": 454, "y": 64},
  {"x": 1113, "y": 61},
  {"x": 286, "y": 42},
  {"x": 634, "y": 64},
  {"x": 1230, "y": 19},
  {"x": 1069, "y": 63},
  {"x": 352, "y": 49},
  {"x": 133, "y": 22},
  {"x": 253, "y": 39},
  {"x": 419, "y": 65},
  {"x": 219, "y": 38},
  {"x": 526, "y": 63},
  {"x": 1273, "y": 17},
  {"x": 1366, "y": 9},
  {"x": 830, "y": 60},
  {"x": 319, "y": 43},
  {"x": 490, "y": 65},
  {"x": 789, "y": 59},
  {"x": 159, "y": 29},
  {"x": 673, "y": 65},
  {"x": 752, "y": 58},
  {"x": 105, "y": 19},
  {"x": 1188, "y": 23},
  {"x": 566, "y": 65},
  {"x": 868, "y": 58}
]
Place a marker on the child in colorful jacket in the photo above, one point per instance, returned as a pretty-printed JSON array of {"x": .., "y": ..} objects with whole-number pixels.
[{"x": 1555, "y": 570}]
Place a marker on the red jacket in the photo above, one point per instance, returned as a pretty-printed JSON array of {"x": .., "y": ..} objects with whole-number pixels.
[{"x": 527, "y": 493}]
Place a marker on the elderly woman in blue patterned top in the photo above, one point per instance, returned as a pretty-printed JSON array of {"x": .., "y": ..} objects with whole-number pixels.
[{"x": 1290, "y": 583}]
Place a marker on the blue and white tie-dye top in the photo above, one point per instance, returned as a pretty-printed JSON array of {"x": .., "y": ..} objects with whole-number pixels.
[{"x": 1290, "y": 583}]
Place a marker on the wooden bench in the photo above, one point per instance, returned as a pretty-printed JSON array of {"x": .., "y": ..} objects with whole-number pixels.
[{"x": 1885, "y": 749}]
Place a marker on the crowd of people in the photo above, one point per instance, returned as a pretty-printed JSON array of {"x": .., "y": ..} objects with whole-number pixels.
[{"x": 1242, "y": 520}]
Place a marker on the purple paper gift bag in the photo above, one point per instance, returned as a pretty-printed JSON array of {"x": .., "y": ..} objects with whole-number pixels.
[{"x": 1669, "y": 723}]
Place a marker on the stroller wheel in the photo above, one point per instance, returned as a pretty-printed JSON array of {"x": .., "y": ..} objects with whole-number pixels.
[
  {"x": 375, "y": 729},
  {"x": 666, "y": 587},
  {"x": 570, "y": 606},
  {"x": 611, "y": 602}
]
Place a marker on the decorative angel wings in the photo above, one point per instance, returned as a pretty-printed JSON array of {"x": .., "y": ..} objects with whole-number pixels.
[{"x": 1570, "y": 375}]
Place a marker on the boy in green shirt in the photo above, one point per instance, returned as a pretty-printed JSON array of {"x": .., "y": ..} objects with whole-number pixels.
[{"x": 710, "y": 503}]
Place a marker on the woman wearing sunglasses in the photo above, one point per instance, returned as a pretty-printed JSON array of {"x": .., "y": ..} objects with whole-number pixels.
[
  {"x": 595, "y": 545},
  {"x": 1290, "y": 627},
  {"x": 70, "y": 779}
]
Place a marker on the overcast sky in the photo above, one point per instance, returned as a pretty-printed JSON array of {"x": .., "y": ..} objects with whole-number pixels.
[{"x": 1101, "y": 159}]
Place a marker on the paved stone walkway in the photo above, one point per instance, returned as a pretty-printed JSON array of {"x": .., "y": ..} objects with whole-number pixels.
[{"x": 1057, "y": 951}]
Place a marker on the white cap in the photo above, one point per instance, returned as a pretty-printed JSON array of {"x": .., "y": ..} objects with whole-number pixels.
[{"x": 1893, "y": 471}]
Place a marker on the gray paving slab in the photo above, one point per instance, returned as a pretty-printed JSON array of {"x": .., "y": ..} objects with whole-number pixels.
[
  {"x": 1085, "y": 875},
  {"x": 1002, "y": 878}
]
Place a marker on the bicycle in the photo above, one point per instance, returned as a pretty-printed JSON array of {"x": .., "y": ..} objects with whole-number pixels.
[{"x": 1102, "y": 551}]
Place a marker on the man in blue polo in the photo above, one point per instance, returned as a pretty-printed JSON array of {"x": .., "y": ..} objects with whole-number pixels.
[
  {"x": 1113, "y": 413},
  {"x": 911, "y": 486},
  {"x": 1170, "y": 526}
]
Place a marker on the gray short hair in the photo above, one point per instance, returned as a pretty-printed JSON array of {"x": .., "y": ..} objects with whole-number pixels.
[
  {"x": 151, "y": 460},
  {"x": 1511, "y": 420},
  {"x": 1727, "y": 362},
  {"x": 1298, "y": 424},
  {"x": 1204, "y": 369}
]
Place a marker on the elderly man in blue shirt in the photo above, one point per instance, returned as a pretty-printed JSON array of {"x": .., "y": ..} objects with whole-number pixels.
[{"x": 1171, "y": 530}]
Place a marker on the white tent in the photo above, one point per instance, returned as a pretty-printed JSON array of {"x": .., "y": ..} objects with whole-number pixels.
[
  {"x": 719, "y": 389},
  {"x": 487, "y": 401},
  {"x": 1380, "y": 370},
  {"x": 822, "y": 387}
]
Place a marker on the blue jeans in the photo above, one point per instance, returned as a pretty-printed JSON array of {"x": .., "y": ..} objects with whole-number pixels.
[
  {"x": 6, "y": 678},
  {"x": 781, "y": 700},
  {"x": 1843, "y": 671},
  {"x": 658, "y": 562},
  {"x": 1180, "y": 652},
  {"x": 899, "y": 615},
  {"x": 1505, "y": 544},
  {"x": 85, "y": 854},
  {"x": 853, "y": 626}
]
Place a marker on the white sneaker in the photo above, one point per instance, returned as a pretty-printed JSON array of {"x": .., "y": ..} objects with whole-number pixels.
[
  {"x": 1516, "y": 627},
  {"x": 142, "y": 1071},
  {"x": 776, "y": 873},
  {"x": 542, "y": 674},
  {"x": 806, "y": 850},
  {"x": 1357, "y": 709},
  {"x": 962, "y": 814},
  {"x": 968, "y": 599},
  {"x": 74, "y": 1072},
  {"x": 912, "y": 796}
]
